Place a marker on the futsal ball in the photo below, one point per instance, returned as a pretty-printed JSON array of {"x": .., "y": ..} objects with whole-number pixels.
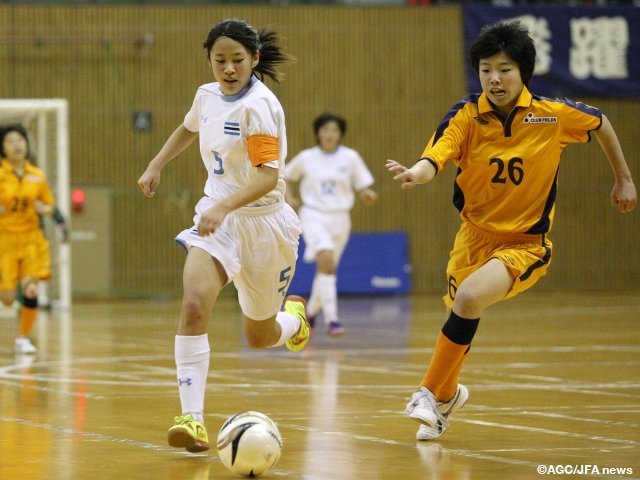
[{"x": 249, "y": 443}]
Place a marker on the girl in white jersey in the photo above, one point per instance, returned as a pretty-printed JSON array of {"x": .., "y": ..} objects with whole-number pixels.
[
  {"x": 243, "y": 230},
  {"x": 327, "y": 177}
]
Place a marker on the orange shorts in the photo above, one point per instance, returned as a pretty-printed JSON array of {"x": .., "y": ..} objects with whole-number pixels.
[
  {"x": 22, "y": 256},
  {"x": 44, "y": 256},
  {"x": 526, "y": 256}
]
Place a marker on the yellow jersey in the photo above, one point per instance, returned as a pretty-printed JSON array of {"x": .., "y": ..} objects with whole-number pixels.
[
  {"x": 508, "y": 167},
  {"x": 17, "y": 196}
]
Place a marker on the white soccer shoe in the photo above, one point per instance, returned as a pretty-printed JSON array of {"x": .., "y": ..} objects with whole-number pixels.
[
  {"x": 23, "y": 345},
  {"x": 434, "y": 415}
]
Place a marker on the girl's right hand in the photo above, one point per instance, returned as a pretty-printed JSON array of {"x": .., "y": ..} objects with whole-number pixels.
[
  {"x": 149, "y": 181},
  {"x": 401, "y": 174}
]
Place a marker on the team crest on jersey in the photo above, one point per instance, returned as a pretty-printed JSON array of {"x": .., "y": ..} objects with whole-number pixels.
[{"x": 531, "y": 118}]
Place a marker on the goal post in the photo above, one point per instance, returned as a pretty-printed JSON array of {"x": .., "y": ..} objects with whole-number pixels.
[{"x": 46, "y": 121}]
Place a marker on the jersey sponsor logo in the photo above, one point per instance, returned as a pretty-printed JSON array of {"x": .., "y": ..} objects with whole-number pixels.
[
  {"x": 531, "y": 118},
  {"x": 232, "y": 128},
  {"x": 184, "y": 381}
]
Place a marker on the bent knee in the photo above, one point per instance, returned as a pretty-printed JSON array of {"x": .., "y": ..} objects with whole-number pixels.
[
  {"x": 467, "y": 303},
  {"x": 193, "y": 314},
  {"x": 7, "y": 297},
  {"x": 7, "y": 301},
  {"x": 30, "y": 287}
]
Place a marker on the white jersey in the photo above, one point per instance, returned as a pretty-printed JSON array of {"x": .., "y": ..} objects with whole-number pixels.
[
  {"x": 224, "y": 123},
  {"x": 327, "y": 181}
]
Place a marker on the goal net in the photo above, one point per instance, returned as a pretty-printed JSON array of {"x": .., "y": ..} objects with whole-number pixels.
[{"x": 46, "y": 120}]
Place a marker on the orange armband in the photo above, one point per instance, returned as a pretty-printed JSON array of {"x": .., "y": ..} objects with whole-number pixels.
[{"x": 262, "y": 149}]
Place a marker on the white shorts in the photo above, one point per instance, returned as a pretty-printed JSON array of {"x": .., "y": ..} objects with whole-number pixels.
[
  {"x": 324, "y": 231},
  {"x": 258, "y": 249}
]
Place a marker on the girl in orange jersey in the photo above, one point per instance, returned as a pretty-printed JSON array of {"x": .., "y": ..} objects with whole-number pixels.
[
  {"x": 506, "y": 144},
  {"x": 25, "y": 196}
]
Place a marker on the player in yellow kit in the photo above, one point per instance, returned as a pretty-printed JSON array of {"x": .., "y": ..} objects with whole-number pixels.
[
  {"x": 25, "y": 196},
  {"x": 506, "y": 144}
]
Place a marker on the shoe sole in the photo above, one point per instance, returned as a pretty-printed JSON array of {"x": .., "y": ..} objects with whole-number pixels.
[
  {"x": 181, "y": 439},
  {"x": 432, "y": 435}
]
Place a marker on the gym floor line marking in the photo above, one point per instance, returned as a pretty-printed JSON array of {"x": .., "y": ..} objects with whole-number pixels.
[
  {"x": 547, "y": 431},
  {"x": 124, "y": 441}
]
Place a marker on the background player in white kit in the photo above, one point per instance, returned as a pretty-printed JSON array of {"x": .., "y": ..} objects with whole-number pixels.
[
  {"x": 243, "y": 230},
  {"x": 327, "y": 177}
]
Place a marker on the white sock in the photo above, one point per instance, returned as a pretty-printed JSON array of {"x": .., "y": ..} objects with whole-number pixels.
[
  {"x": 192, "y": 365},
  {"x": 315, "y": 302},
  {"x": 289, "y": 326},
  {"x": 327, "y": 286}
]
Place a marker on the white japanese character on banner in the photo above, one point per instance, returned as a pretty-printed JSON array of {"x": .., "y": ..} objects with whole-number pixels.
[{"x": 599, "y": 47}]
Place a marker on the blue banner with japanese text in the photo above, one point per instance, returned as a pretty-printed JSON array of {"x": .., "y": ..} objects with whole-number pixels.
[{"x": 580, "y": 51}]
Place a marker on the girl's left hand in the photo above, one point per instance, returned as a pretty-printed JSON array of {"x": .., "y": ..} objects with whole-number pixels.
[
  {"x": 368, "y": 196},
  {"x": 210, "y": 220},
  {"x": 624, "y": 196}
]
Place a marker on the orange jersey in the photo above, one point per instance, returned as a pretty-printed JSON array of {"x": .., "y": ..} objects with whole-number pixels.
[
  {"x": 18, "y": 214},
  {"x": 508, "y": 168}
]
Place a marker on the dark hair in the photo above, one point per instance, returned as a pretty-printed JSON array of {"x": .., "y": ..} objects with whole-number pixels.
[
  {"x": 263, "y": 41},
  {"x": 14, "y": 127},
  {"x": 510, "y": 38},
  {"x": 329, "y": 117}
]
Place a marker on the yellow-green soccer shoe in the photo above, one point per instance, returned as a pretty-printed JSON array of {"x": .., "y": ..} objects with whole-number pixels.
[
  {"x": 188, "y": 433},
  {"x": 297, "y": 306}
]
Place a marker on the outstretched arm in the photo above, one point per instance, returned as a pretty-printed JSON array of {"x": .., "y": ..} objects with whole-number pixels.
[
  {"x": 422, "y": 172},
  {"x": 623, "y": 196}
]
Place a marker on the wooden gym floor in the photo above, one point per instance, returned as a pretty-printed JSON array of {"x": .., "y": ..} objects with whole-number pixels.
[{"x": 554, "y": 382}]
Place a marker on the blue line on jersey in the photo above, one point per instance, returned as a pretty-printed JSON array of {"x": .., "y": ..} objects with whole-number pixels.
[{"x": 232, "y": 128}]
